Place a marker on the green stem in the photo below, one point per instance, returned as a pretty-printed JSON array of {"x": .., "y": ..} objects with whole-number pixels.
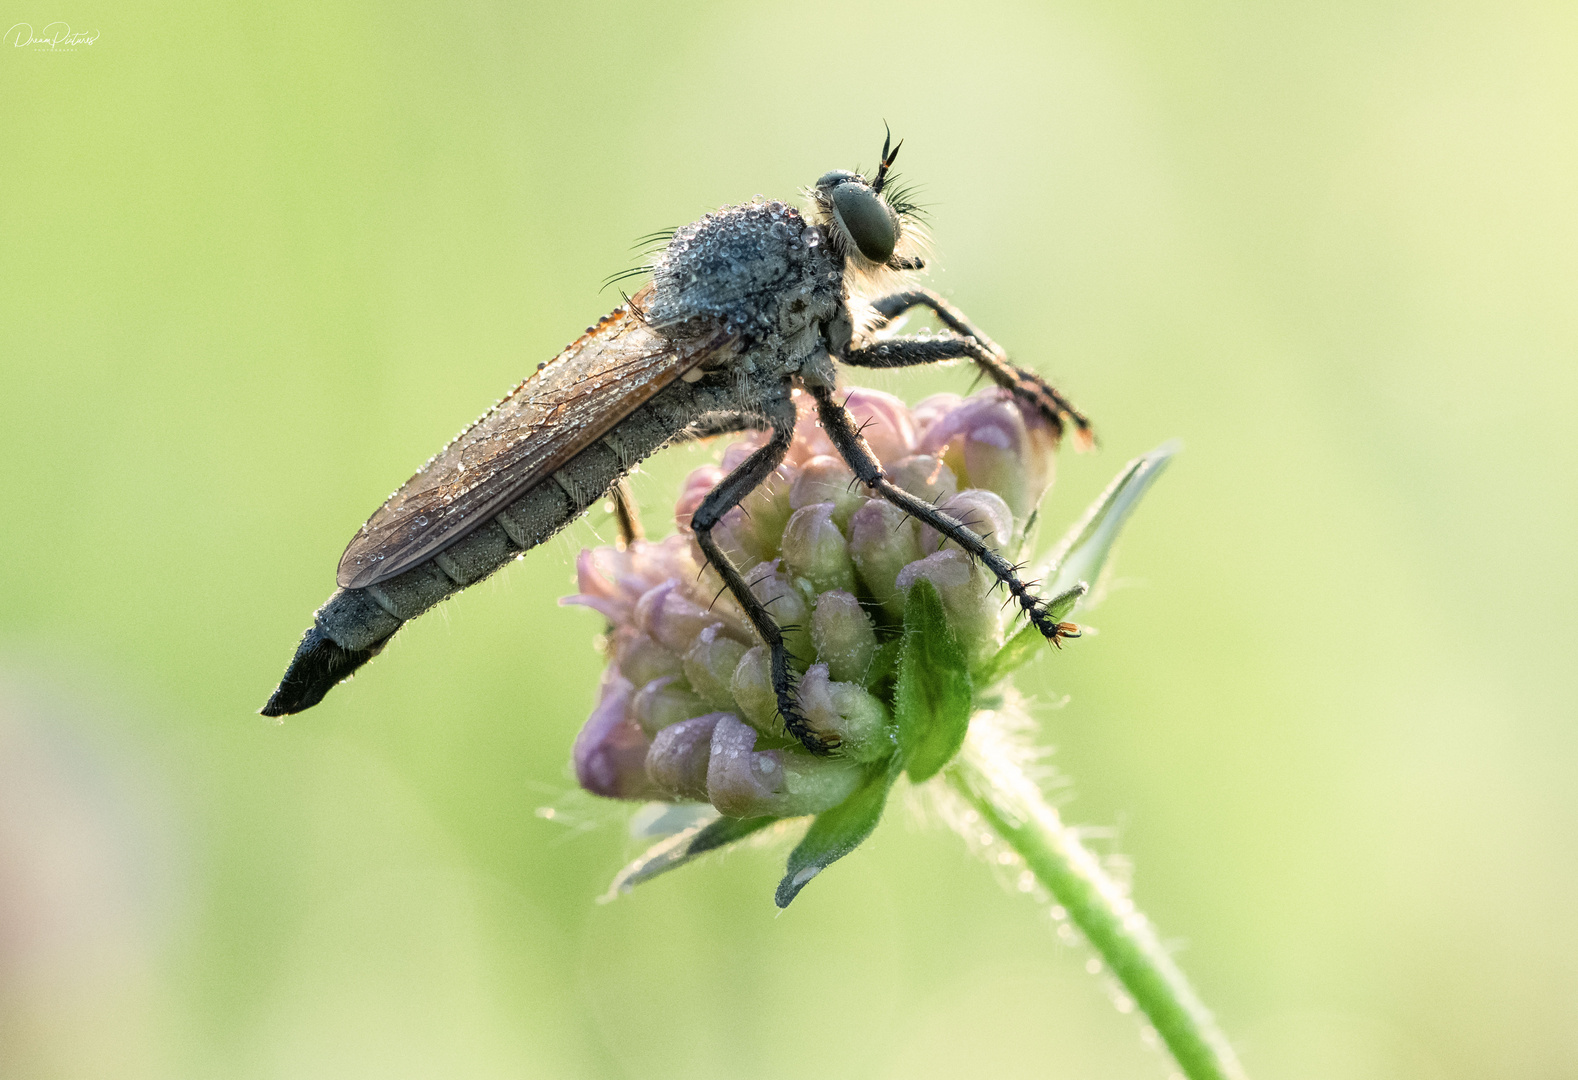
[{"x": 988, "y": 775}]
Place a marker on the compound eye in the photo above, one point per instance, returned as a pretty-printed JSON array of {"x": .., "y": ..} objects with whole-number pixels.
[
  {"x": 867, "y": 220},
  {"x": 836, "y": 177}
]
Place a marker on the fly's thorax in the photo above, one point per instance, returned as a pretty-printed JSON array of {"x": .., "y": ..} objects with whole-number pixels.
[{"x": 758, "y": 270}]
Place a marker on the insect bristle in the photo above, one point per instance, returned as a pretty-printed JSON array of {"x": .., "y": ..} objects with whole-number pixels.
[
  {"x": 902, "y": 198},
  {"x": 653, "y": 242},
  {"x": 634, "y": 271}
]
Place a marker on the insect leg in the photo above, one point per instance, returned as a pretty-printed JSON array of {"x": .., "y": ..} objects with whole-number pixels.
[
  {"x": 1021, "y": 382},
  {"x": 747, "y": 477},
  {"x": 840, "y": 428},
  {"x": 627, "y": 513}
]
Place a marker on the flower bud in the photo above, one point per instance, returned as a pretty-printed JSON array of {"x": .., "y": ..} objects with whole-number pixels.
[
  {"x": 965, "y": 589},
  {"x": 982, "y": 512},
  {"x": 639, "y": 658},
  {"x": 605, "y": 584},
  {"x": 784, "y": 602},
  {"x": 678, "y": 760},
  {"x": 650, "y": 563},
  {"x": 815, "y": 549},
  {"x": 924, "y": 476},
  {"x": 673, "y": 619},
  {"x": 828, "y": 479},
  {"x": 847, "y": 712},
  {"x": 744, "y": 783},
  {"x": 663, "y": 702},
  {"x": 700, "y": 481},
  {"x": 765, "y": 510},
  {"x": 735, "y": 538},
  {"x": 929, "y": 410},
  {"x": 991, "y": 441},
  {"x": 882, "y": 420},
  {"x": 710, "y": 664},
  {"x": 845, "y": 640},
  {"x": 882, "y": 541},
  {"x": 752, "y": 687},
  {"x": 611, "y": 751}
]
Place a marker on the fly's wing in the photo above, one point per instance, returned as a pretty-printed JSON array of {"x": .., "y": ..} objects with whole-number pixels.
[{"x": 568, "y": 404}]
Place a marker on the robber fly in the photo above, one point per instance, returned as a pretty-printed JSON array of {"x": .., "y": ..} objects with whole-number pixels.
[{"x": 743, "y": 307}]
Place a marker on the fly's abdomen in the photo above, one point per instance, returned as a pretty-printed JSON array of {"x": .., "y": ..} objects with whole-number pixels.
[{"x": 355, "y": 624}]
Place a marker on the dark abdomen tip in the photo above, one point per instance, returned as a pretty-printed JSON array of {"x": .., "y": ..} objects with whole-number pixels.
[{"x": 318, "y": 664}]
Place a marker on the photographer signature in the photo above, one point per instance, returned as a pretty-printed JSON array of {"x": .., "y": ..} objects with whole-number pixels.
[{"x": 56, "y": 37}]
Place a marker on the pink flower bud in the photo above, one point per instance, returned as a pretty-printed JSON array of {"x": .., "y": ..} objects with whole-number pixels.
[
  {"x": 924, "y": 476},
  {"x": 765, "y": 510},
  {"x": 814, "y": 549},
  {"x": 965, "y": 588},
  {"x": 991, "y": 441},
  {"x": 744, "y": 783},
  {"x": 752, "y": 687},
  {"x": 700, "y": 481},
  {"x": 651, "y": 563},
  {"x": 736, "y": 538},
  {"x": 828, "y": 480},
  {"x": 639, "y": 658},
  {"x": 606, "y": 582},
  {"x": 710, "y": 664},
  {"x": 748, "y": 533},
  {"x": 801, "y": 447},
  {"x": 929, "y": 410},
  {"x": 777, "y": 592},
  {"x": 672, "y": 618},
  {"x": 611, "y": 751},
  {"x": 846, "y": 711},
  {"x": 663, "y": 702},
  {"x": 845, "y": 640},
  {"x": 982, "y": 512},
  {"x": 680, "y": 754},
  {"x": 882, "y": 541},
  {"x": 882, "y": 419}
]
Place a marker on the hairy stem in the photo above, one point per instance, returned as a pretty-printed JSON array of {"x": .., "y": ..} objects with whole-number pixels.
[{"x": 989, "y": 776}]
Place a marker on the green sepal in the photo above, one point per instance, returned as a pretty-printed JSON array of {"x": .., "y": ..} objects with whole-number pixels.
[
  {"x": 931, "y": 703},
  {"x": 1082, "y": 553},
  {"x": 837, "y": 832},
  {"x": 685, "y": 845}
]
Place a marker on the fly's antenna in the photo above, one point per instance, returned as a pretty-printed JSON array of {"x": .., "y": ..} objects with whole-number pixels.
[{"x": 887, "y": 158}]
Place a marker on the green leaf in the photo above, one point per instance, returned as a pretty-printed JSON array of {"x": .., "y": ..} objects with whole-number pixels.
[
  {"x": 934, "y": 693},
  {"x": 837, "y": 832},
  {"x": 1028, "y": 642},
  {"x": 1082, "y": 553},
  {"x": 677, "y": 850}
]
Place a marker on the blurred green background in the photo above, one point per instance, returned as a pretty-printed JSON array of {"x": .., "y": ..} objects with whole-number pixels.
[{"x": 257, "y": 264}]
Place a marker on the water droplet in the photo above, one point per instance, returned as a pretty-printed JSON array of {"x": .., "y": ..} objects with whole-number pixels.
[{"x": 422, "y": 519}]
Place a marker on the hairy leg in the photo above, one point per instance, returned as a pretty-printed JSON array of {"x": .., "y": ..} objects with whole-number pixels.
[
  {"x": 746, "y": 478},
  {"x": 840, "y": 428},
  {"x": 626, "y": 513},
  {"x": 972, "y": 344}
]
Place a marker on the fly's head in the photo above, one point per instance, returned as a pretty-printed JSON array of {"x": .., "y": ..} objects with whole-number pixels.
[{"x": 871, "y": 223}]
